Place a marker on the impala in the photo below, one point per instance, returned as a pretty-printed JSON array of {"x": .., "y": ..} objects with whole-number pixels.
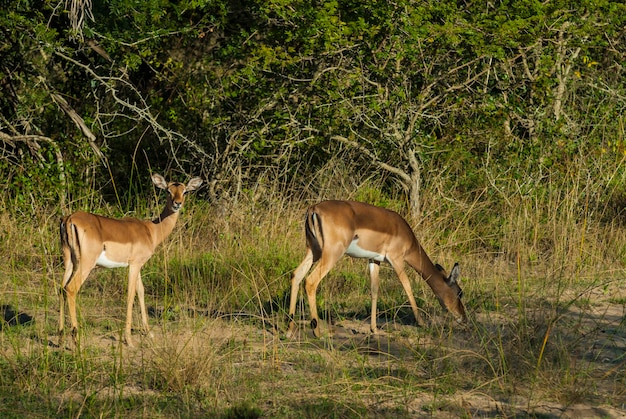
[
  {"x": 335, "y": 228},
  {"x": 90, "y": 240}
]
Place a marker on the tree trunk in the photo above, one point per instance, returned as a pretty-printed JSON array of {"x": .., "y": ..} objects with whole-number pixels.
[{"x": 414, "y": 195}]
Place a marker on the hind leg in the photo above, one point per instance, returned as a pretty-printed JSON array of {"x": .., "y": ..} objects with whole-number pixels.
[
  {"x": 296, "y": 280},
  {"x": 71, "y": 291},
  {"x": 325, "y": 264},
  {"x": 61, "y": 330},
  {"x": 67, "y": 277}
]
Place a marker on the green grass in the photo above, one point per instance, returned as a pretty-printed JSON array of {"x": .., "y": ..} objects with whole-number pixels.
[{"x": 546, "y": 323}]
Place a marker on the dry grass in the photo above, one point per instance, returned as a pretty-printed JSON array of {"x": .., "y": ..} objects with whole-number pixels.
[{"x": 544, "y": 288}]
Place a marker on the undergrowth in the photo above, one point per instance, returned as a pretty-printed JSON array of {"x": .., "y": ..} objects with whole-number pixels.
[{"x": 542, "y": 275}]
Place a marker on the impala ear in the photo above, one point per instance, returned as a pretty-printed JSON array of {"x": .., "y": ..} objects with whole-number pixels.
[
  {"x": 455, "y": 274},
  {"x": 193, "y": 184},
  {"x": 159, "y": 181}
]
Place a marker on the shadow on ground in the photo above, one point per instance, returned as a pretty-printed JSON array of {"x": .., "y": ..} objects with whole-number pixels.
[{"x": 12, "y": 318}]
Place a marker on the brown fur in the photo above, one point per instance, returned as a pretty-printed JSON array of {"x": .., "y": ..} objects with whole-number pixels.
[
  {"x": 125, "y": 242},
  {"x": 331, "y": 227}
]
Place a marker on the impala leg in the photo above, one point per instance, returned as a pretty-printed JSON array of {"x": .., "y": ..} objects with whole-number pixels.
[
  {"x": 71, "y": 306},
  {"x": 142, "y": 306},
  {"x": 406, "y": 284},
  {"x": 312, "y": 282},
  {"x": 61, "y": 315},
  {"x": 133, "y": 276},
  {"x": 67, "y": 276},
  {"x": 374, "y": 268},
  {"x": 296, "y": 280},
  {"x": 62, "y": 302},
  {"x": 71, "y": 291}
]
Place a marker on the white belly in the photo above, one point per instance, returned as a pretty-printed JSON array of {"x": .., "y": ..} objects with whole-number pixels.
[
  {"x": 108, "y": 263},
  {"x": 357, "y": 252}
]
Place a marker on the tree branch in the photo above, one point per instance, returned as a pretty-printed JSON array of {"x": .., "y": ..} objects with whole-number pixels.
[
  {"x": 141, "y": 110},
  {"x": 406, "y": 178},
  {"x": 80, "y": 123}
]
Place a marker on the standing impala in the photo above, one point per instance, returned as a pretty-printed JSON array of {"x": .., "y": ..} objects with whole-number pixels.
[
  {"x": 90, "y": 240},
  {"x": 335, "y": 228}
]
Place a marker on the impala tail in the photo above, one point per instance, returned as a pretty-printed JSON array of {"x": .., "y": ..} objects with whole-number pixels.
[
  {"x": 314, "y": 233},
  {"x": 69, "y": 242}
]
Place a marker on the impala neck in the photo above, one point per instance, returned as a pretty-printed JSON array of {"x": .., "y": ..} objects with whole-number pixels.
[
  {"x": 164, "y": 224},
  {"x": 419, "y": 260}
]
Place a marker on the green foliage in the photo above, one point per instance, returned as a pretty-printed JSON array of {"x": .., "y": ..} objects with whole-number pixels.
[
  {"x": 230, "y": 90},
  {"x": 244, "y": 411}
]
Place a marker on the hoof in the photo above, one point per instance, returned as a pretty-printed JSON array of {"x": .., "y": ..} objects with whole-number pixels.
[
  {"x": 291, "y": 332},
  {"x": 315, "y": 327},
  {"x": 128, "y": 341}
]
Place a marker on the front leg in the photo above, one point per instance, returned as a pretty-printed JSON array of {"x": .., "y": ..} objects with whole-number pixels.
[
  {"x": 374, "y": 268},
  {"x": 398, "y": 266},
  {"x": 133, "y": 277},
  {"x": 142, "y": 306}
]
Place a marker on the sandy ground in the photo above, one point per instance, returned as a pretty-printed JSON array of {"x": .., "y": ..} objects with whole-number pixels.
[{"x": 594, "y": 333}]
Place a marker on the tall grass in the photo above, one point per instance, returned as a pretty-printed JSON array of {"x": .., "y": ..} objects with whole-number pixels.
[{"x": 543, "y": 276}]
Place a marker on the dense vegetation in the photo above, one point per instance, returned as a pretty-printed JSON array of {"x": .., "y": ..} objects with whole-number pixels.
[
  {"x": 411, "y": 92},
  {"x": 496, "y": 128}
]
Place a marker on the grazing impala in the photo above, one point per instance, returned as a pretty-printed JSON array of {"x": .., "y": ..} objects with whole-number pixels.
[
  {"x": 335, "y": 228},
  {"x": 90, "y": 240}
]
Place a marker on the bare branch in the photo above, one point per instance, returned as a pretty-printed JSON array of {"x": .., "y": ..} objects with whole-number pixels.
[
  {"x": 139, "y": 108},
  {"x": 398, "y": 172},
  {"x": 80, "y": 123}
]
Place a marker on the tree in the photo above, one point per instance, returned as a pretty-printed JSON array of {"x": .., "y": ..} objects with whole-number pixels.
[{"x": 230, "y": 89}]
